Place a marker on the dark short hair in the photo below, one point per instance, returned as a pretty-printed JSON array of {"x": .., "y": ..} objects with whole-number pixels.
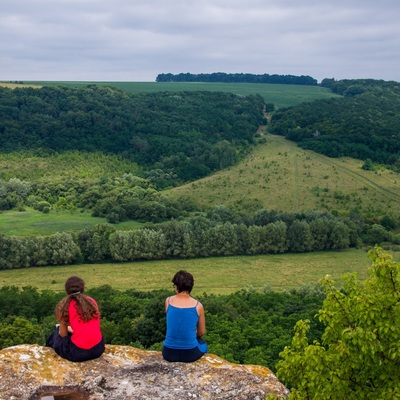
[
  {"x": 183, "y": 281},
  {"x": 74, "y": 284}
]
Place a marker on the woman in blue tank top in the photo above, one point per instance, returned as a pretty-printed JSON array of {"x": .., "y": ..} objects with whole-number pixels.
[{"x": 186, "y": 323}]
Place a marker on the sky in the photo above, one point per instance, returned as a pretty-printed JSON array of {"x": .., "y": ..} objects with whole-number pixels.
[{"x": 135, "y": 40}]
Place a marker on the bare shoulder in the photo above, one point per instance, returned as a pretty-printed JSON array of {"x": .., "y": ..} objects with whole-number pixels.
[{"x": 199, "y": 305}]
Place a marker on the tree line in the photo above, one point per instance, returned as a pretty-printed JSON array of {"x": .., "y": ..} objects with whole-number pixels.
[
  {"x": 186, "y": 135},
  {"x": 363, "y": 124},
  {"x": 220, "y": 233},
  {"x": 238, "y": 78}
]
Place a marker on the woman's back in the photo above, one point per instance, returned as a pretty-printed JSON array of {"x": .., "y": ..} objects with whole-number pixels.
[
  {"x": 84, "y": 334},
  {"x": 185, "y": 322},
  {"x": 181, "y": 324}
]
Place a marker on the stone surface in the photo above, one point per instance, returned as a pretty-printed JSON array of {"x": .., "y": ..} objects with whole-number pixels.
[{"x": 33, "y": 372}]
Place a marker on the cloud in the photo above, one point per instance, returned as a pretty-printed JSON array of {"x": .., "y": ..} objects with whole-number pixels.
[{"x": 127, "y": 40}]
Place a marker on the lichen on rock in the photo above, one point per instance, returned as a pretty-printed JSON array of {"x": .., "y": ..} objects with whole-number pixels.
[{"x": 32, "y": 372}]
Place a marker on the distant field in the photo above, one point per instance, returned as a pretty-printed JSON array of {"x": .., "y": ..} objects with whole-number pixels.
[
  {"x": 17, "y": 85},
  {"x": 279, "y": 175},
  {"x": 212, "y": 275},
  {"x": 32, "y": 222},
  {"x": 280, "y": 95}
]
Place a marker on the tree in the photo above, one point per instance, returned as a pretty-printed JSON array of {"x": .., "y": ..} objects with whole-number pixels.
[
  {"x": 61, "y": 249},
  {"x": 320, "y": 229},
  {"x": 376, "y": 234},
  {"x": 358, "y": 357},
  {"x": 95, "y": 243},
  {"x": 221, "y": 240},
  {"x": 368, "y": 165},
  {"x": 179, "y": 239},
  {"x": 275, "y": 237},
  {"x": 340, "y": 236},
  {"x": 18, "y": 330},
  {"x": 299, "y": 237}
]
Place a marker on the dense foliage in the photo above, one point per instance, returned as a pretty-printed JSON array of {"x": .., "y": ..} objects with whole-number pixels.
[
  {"x": 186, "y": 134},
  {"x": 364, "y": 124},
  {"x": 122, "y": 198},
  {"x": 358, "y": 356},
  {"x": 244, "y": 327},
  {"x": 222, "y": 232},
  {"x": 238, "y": 78}
]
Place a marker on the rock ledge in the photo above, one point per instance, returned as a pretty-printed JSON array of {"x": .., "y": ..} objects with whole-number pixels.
[{"x": 32, "y": 372}]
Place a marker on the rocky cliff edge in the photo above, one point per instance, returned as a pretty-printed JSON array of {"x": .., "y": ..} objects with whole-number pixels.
[{"x": 32, "y": 372}]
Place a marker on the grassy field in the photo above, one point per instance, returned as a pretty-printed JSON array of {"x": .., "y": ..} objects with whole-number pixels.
[
  {"x": 212, "y": 275},
  {"x": 12, "y": 85},
  {"x": 59, "y": 167},
  {"x": 279, "y": 175},
  {"x": 32, "y": 222},
  {"x": 280, "y": 95}
]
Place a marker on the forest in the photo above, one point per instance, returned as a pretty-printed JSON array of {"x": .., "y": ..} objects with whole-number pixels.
[
  {"x": 186, "y": 135},
  {"x": 238, "y": 78},
  {"x": 364, "y": 124}
]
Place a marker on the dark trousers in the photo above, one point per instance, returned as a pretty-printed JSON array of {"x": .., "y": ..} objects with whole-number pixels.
[
  {"x": 190, "y": 355},
  {"x": 64, "y": 347}
]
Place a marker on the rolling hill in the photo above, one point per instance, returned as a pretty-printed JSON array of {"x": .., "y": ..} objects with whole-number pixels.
[{"x": 279, "y": 175}]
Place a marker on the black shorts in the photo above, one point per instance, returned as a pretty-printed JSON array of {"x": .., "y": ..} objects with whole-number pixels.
[
  {"x": 64, "y": 347},
  {"x": 190, "y": 355}
]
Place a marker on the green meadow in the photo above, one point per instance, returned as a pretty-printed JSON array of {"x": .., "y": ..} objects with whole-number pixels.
[
  {"x": 33, "y": 222},
  {"x": 220, "y": 275},
  {"x": 280, "y": 95},
  {"x": 279, "y": 175}
]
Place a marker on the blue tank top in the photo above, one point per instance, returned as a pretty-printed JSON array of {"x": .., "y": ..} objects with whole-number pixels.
[{"x": 181, "y": 327}]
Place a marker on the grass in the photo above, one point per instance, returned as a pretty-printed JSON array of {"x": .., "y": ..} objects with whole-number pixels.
[
  {"x": 222, "y": 275},
  {"x": 280, "y": 95},
  {"x": 12, "y": 85},
  {"x": 279, "y": 175},
  {"x": 32, "y": 222},
  {"x": 60, "y": 167}
]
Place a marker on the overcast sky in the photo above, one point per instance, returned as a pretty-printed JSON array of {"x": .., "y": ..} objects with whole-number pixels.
[{"x": 135, "y": 40}]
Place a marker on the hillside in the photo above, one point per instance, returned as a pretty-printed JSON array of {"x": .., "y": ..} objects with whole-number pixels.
[
  {"x": 363, "y": 124},
  {"x": 169, "y": 138},
  {"x": 279, "y": 175},
  {"x": 278, "y": 94}
]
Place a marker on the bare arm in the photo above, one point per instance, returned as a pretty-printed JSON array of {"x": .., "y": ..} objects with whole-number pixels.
[
  {"x": 63, "y": 330},
  {"x": 201, "y": 323}
]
